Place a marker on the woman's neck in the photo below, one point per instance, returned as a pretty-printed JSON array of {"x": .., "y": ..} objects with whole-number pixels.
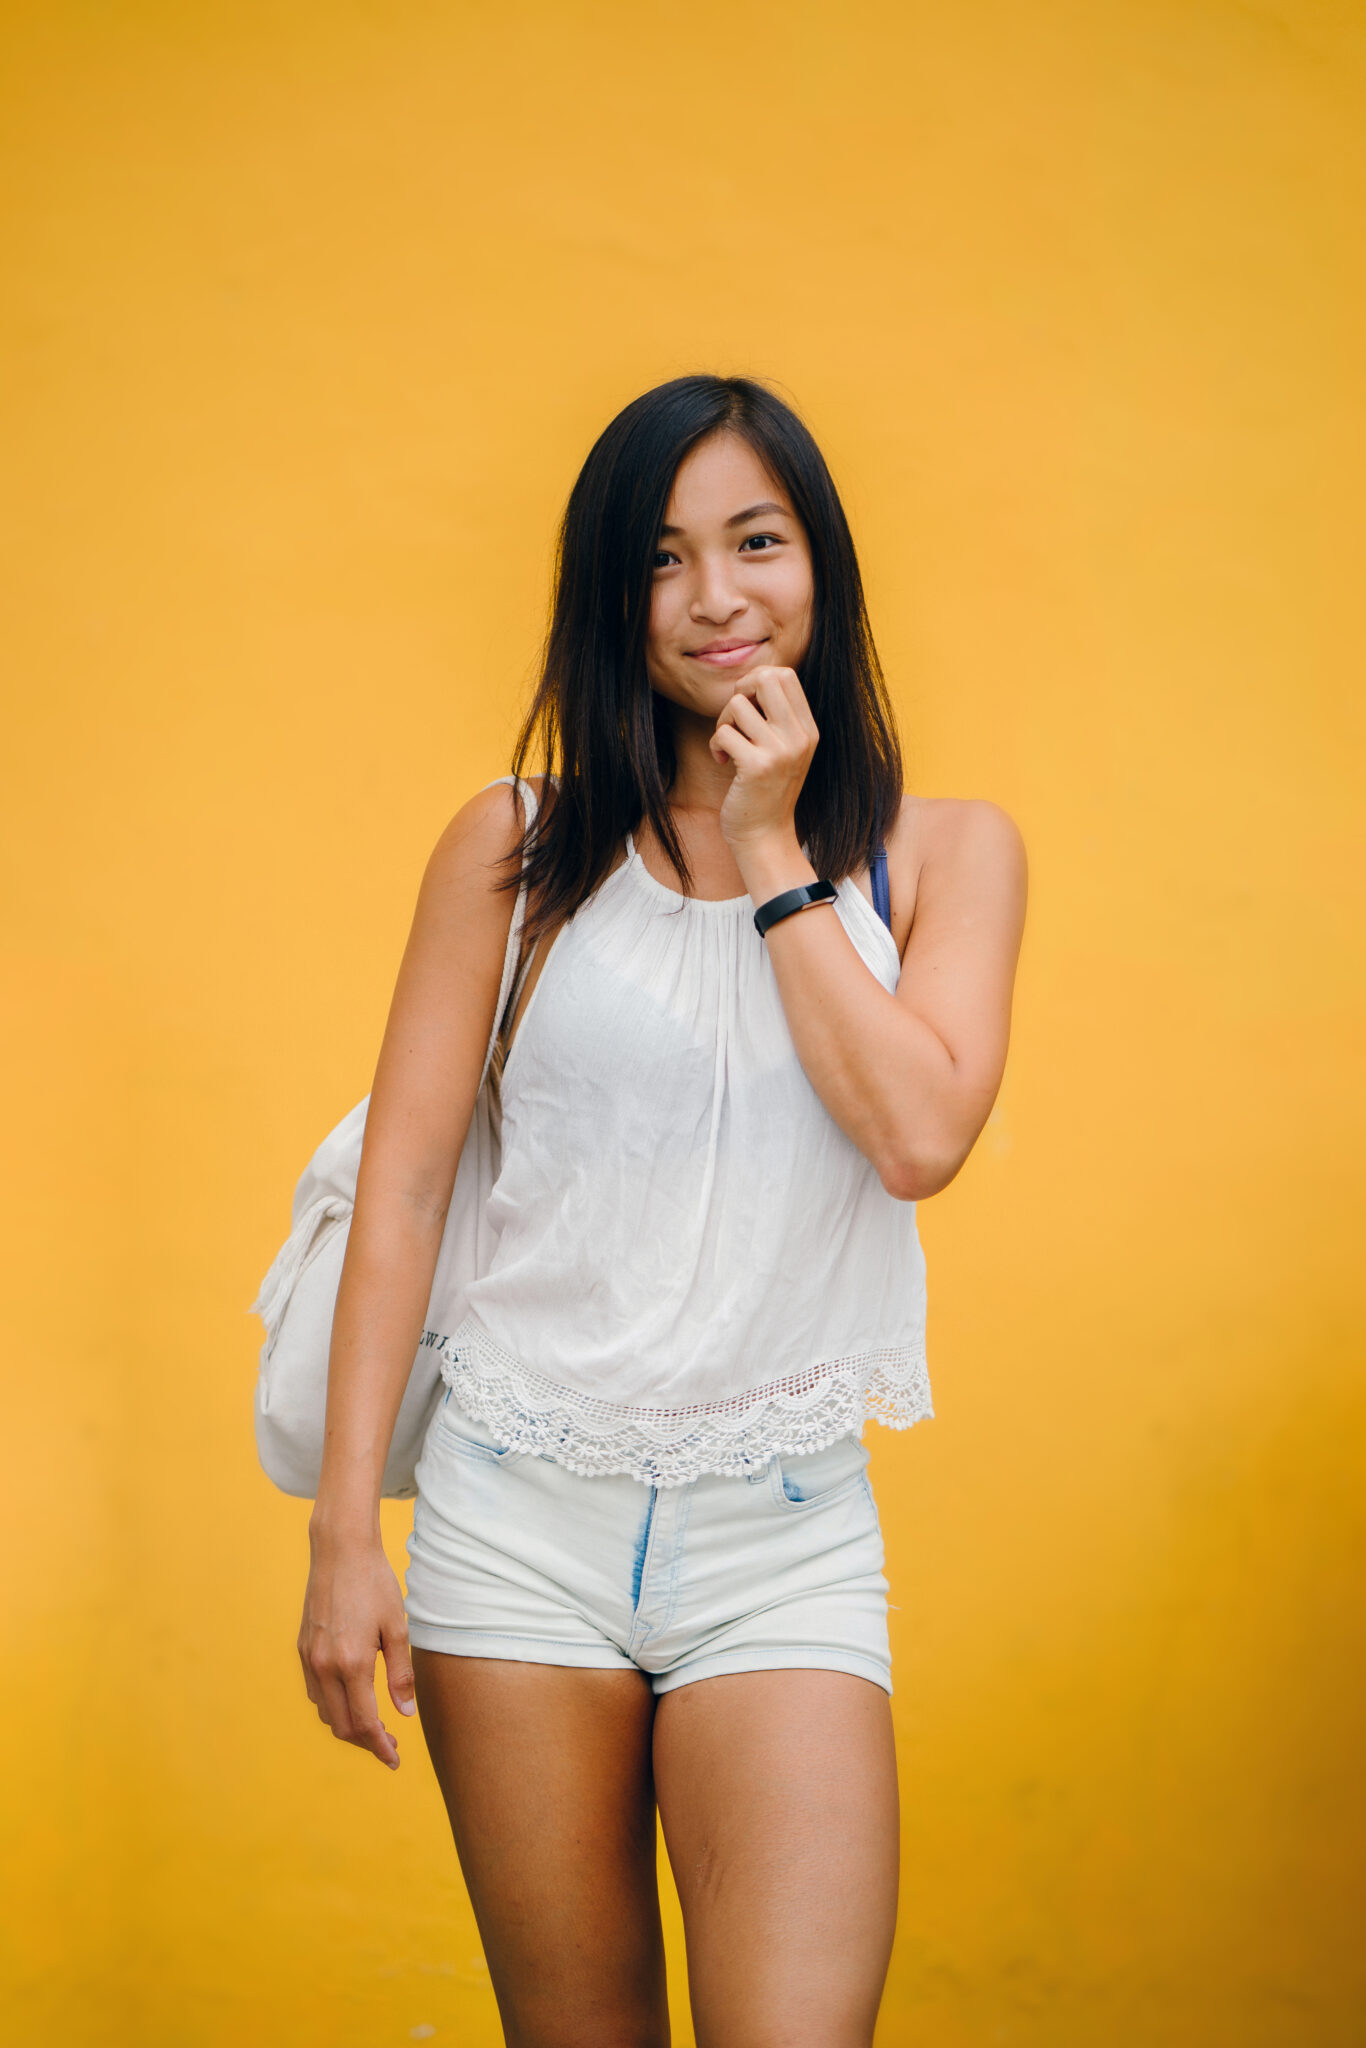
[{"x": 700, "y": 782}]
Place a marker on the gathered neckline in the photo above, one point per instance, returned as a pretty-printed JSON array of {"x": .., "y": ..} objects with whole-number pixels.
[
  {"x": 849, "y": 891},
  {"x": 635, "y": 860}
]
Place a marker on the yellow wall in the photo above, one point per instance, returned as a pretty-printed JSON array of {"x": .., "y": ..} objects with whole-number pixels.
[{"x": 312, "y": 311}]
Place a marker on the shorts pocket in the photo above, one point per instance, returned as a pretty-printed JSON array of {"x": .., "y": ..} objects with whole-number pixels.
[
  {"x": 468, "y": 1436},
  {"x": 802, "y": 1480}
]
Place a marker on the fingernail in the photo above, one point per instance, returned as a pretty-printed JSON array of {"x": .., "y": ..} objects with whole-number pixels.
[{"x": 407, "y": 1706}]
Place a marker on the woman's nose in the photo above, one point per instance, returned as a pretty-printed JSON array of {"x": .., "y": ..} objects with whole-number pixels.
[{"x": 715, "y": 597}]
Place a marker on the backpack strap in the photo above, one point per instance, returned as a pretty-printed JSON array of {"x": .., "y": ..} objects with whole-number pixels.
[
  {"x": 514, "y": 942},
  {"x": 882, "y": 891}
]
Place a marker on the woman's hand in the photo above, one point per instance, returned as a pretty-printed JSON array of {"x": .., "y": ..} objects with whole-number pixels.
[
  {"x": 768, "y": 732},
  {"x": 353, "y": 1612}
]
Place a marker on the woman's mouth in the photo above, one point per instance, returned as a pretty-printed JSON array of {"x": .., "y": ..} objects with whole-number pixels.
[{"x": 725, "y": 653}]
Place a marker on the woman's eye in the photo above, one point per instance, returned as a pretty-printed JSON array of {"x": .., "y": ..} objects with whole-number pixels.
[
  {"x": 760, "y": 537},
  {"x": 663, "y": 559}
]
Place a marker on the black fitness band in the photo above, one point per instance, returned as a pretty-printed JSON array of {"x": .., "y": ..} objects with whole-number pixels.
[{"x": 778, "y": 907}]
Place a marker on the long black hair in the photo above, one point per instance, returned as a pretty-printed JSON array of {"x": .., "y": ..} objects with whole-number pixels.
[{"x": 604, "y": 732}]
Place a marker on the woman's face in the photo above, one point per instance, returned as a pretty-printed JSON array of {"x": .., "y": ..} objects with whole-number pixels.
[{"x": 733, "y": 588}]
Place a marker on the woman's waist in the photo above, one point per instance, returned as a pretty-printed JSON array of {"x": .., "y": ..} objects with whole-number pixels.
[{"x": 630, "y": 1226}]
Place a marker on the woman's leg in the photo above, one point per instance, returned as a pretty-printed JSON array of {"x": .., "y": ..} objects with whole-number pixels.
[
  {"x": 546, "y": 1774},
  {"x": 778, "y": 1795}
]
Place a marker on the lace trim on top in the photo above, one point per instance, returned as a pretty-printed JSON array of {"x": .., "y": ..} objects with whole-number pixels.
[{"x": 672, "y": 1446}]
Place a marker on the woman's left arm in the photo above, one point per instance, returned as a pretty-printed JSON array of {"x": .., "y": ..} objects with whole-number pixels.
[{"x": 910, "y": 1077}]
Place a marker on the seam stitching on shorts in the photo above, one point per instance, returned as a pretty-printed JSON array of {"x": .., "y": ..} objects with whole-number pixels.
[
  {"x": 506, "y": 1635},
  {"x": 676, "y": 1569}
]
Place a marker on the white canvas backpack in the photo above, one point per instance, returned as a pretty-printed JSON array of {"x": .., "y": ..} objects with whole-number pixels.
[{"x": 296, "y": 1299}]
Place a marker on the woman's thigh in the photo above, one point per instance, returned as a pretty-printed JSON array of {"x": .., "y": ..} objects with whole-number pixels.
[
  {"x": 778, "y": 1795},
  {"x": 547, "y": 1778}
]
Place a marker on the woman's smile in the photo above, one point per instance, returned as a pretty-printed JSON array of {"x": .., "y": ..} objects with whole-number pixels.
[{"x": 725, "y": 653}]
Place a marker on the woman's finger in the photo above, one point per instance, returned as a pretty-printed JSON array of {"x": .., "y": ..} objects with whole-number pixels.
[
  {"x": 315, "y": 1683},
  {"x": 749, "y": 719},
  {"x": 781, "y": 734},
  {"x": 331, "y": 1704},
  {"x": 728, "y": 743},
  {"x": 398, "y": 1664},
  {"x": 797, "y": 703},
  {"x": 367, "y": 1730},
  {"x": 310, "y": 1682},
  {"x": 778, "y": 698},
  {"x": 774, "y": 689}
]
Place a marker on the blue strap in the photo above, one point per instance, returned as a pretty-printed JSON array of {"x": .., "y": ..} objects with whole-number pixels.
[{"x": 882, "y": 893}]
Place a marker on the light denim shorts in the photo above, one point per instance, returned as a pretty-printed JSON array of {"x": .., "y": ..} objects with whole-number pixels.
[{"x": 512, "y": 1555}]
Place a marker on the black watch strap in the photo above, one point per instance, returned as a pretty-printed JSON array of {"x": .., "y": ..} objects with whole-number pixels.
[{"x": 779, "y": 907}]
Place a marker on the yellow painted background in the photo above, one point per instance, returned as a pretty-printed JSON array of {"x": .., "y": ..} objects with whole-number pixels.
[{"x": 311, "y": 312}]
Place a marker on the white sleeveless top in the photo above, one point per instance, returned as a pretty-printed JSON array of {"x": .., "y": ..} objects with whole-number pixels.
[{"x": 694, "y": 1266}]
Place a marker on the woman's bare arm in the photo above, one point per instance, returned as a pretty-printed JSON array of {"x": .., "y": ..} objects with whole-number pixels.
[
  {"x": 911, "y": 1077},
  {"x": 426, "y": 1080}
]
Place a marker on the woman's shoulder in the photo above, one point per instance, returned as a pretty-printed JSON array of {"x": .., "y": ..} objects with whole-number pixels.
[
  {"x": 957, "y": 849},
  {"x": 974, "y": 826},
  {"x": 493, "y": 819},
  {"x": 477, "y": 848},
  {"x": 940, "y": 822},
  {"x": 938, "y": 836}
]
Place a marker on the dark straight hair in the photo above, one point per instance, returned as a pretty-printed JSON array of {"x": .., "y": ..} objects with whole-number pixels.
[{"x": 604, "y": 733}]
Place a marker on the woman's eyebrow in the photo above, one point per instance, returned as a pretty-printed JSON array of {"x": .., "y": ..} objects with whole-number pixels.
[{"x": 738, "y": 518}]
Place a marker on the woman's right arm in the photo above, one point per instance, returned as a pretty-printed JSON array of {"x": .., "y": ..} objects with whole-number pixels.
[{"x": 421, "y": 1101}]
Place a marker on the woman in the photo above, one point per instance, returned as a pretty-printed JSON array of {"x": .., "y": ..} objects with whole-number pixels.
[{"x": 646, "y": 1566}]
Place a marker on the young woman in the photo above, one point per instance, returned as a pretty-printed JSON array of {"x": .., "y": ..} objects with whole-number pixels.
[{"x": 646, "y": 1566}]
